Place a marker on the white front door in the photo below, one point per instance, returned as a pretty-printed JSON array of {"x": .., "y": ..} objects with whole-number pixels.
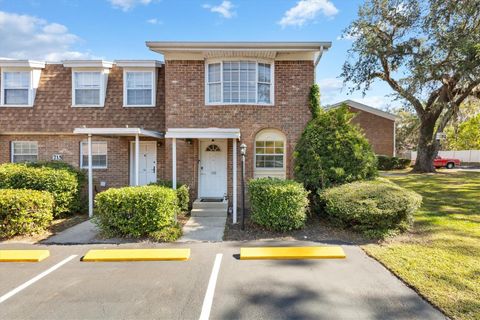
[
  {"x": 213, "y": 168},
  {"x": 147, "y": 164}
]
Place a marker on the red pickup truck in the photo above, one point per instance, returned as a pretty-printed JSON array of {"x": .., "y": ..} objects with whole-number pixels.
[{"x": 448, "y": 163}]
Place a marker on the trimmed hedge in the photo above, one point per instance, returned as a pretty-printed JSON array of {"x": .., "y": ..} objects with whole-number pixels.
[
  {"x": 135, "y": 211},
  {"x": 81, "y": 198},
  {"x": 391, "y": 163},
  {"x": 278, "y": 204},
  {"x": 375, "y": 208},
  {"x": 24, "y": 212},
  {"x": 62, "y": 184},
  {"x": 167, "y": 234},
  {"x": 183, "y": 193}
]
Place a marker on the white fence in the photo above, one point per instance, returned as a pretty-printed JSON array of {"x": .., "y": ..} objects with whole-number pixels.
[{"x": 463, "y": 155}]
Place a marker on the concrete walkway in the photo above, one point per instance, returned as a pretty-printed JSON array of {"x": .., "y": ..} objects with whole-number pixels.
[
  {"x": 82, "y": 233},
  {"x": 199, "y": 229}
]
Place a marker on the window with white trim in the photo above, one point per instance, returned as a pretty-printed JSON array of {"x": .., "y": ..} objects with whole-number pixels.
[
  {"x": 139, "y": 88},
  {"x": 24, "y": 151},
  {"x": 239, "y": 82},
  {"x": 16, "y": 87},
  {"x": 87, "y": 88},
  {"x": 99, "y": 155},
  {"x": 270, "y": 154}
]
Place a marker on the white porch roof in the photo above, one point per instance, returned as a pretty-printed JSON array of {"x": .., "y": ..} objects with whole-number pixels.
[
  {"x": 119, "y": 132},
  {"x": 203, "y": 133}
]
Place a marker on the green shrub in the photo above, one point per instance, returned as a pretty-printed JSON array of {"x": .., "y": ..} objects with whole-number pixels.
[
  {"x": 375, "y": 208},
  {"x": 183, "y": 193},
  {"x": 390, "y": 163},
  {"x": 332, "y": 151},
  {"x": 24, "y": 212},
  {"x": 135, "y": 211},
  {"x": 167, "y": 234},
  {"x": 81, "y": 198},
  {"x": 62, "y": 184},
  {"x": 278, "y": 204}
]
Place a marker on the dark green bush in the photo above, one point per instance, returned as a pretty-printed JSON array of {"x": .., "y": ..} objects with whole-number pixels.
[
  {"x": 391, "y": 163},
  {"x": 375, "y": 208},
  {"x": 81, "y": 199},
  {"x": 24, "y": 212},
  {"x": 183, "y": 193},
  {"x": 135, "y": 211},
  {"x": 332, "y": 151},
  {"x": 62, "y": 184},
  {"x": 167, "y": 234},
  {"x": 278, "y": 204}
]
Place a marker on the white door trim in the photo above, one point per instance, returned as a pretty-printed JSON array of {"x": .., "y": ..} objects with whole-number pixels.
[
  {"x": 223, "y": 144},
  {"x": 132, "y": 159}
]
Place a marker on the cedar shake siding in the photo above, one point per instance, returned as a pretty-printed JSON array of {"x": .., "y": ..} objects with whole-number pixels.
[{"x": 52, "y": 111}]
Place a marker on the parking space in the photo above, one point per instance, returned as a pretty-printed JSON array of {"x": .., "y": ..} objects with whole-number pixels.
[{"x": 356, "y": 287}]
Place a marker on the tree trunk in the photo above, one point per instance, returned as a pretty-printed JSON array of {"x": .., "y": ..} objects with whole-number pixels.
[{"x": 427, "y": 147}]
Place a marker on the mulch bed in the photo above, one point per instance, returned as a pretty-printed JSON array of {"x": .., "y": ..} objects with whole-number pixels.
[{"x": 316, "y": 229}]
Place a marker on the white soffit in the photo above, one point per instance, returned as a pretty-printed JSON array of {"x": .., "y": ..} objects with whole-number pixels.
[
  {"x": 363, "y": 107},
  {"x": 87, "y": 64},
  {"x": 203, "y": 133},
  {"x": 118, "y": 132},
  {"x": 267, "y": 50},
  {"x": 138, "y": 63},
  {"x": 32, "y": 64}
]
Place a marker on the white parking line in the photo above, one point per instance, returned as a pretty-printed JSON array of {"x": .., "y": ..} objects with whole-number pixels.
[
  {"x": 208, "y": 300},
  {"x": 35, "y": 279}
]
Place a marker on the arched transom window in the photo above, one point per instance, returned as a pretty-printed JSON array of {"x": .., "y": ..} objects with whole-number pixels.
[
  {"x": 213, "y": 148},
  {"x": 270, "y": 154}
]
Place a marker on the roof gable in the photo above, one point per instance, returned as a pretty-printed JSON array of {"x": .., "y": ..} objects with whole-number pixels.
[{"x": 365, "y": 108}]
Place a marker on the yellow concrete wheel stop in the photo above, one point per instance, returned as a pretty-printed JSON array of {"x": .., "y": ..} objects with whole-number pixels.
[
  {"x": 108, "y": 255},
  {"x": 23, "y": 255},
  {"x": 292, "y": 253}
]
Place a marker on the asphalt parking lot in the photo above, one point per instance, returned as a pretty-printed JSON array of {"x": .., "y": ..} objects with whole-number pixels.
[{"x": 354, "y": 288}]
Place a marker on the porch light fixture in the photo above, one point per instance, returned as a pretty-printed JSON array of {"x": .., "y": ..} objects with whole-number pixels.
[{"x": 243, "y": 152}]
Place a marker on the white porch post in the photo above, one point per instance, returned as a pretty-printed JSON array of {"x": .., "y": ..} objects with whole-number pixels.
[
  {"x": 234, "y": 180},
  {"x": 137, "y": 156},
  {"x": 90, "y": 178},
  {"x": 174, "y": 163}
]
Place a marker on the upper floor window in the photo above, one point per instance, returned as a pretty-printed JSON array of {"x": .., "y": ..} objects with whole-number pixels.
[
  {"x": 24, "y": 151},
  {"x": 16, "y": 88},
  {"x": 87, "y": 88},
  {"x": 139, "y": 89},
  {"x": 239, "y": 82}
]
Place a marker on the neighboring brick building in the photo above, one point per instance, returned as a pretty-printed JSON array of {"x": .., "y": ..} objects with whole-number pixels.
[
  {"x": 189, "y": 114},
  {"x": 377, "y": 125}
]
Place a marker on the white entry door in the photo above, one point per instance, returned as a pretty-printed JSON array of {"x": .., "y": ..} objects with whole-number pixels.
[
  {"x": 213, "y": 168},
  {"x": 147, "y": 164}
]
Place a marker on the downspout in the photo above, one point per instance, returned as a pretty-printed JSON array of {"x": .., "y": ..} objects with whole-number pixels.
[{"x": 316, "y": 63}]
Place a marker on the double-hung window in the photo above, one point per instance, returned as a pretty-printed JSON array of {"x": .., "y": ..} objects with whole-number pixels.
[
  {"x": 239, "y": 82},
  {"x": 99, "y": 155},
  {"x": 16, "y": 88},
  {"x": 139, "y": 88},
  {"x": 24, "y": 151},
  {"x": 87, "y": 88}
]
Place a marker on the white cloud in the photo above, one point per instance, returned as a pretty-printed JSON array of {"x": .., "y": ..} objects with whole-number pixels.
[
  {"x": 330, "y": 90},
  {"x": 126, "y": 5},
  {"x": 154, "y": 21},
  {"x": 225, "y": 9},
  {"x": 306, "y": 10},
  {"x": 29, "y": 37},
  {"x": 379, "y": 102}
]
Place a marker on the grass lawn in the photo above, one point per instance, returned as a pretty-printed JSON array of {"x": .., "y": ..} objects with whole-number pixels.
[{"x": 440, "y": 256}]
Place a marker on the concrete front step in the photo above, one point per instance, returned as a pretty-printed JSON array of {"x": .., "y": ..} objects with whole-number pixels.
[
  {"x": 208, "y": 212},
  {"x": 197, "y": 204},
  {"x": 203, "y": 229}
]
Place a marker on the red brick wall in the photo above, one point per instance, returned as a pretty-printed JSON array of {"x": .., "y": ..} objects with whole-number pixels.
[
  {"x": 378, "y": 131},
  {"x": 185, "y": 108},
  {"x": 118, "y": 155},
  {"x": 53, "y": 111}
]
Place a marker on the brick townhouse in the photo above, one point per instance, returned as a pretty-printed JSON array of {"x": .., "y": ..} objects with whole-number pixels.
[{"x": 182, "y": 119}]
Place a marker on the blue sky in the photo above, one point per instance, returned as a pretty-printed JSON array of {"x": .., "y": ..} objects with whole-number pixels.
[{"x": 118, "y": 29}]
